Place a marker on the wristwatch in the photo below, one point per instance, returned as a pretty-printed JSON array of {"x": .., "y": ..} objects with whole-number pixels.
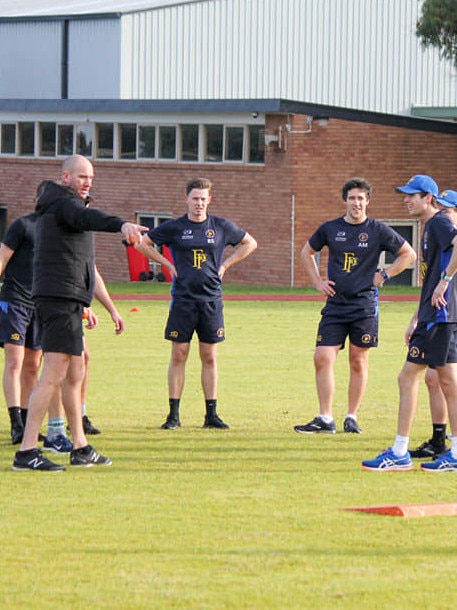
[
  {"x": 446, "y": 278},
  {"x": 385, "y": 277}
]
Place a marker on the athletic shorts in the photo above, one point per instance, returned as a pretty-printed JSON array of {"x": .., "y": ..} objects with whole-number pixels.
[
  {"x": 362, "y": 332},
  {"x": 435, "y": 346},
  {"x": 206, "y": 318},
  {"x": 19, "y": 326},
  {"x": 61, "y": 326}
]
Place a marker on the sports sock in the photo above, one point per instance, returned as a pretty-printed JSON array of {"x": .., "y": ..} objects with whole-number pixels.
[
  {"x": 83, "y": 408},
  {"x": 211, "y": 406},
  {"x": 351, "y": 416},
  {"x": 24, "y": 413},
  {"x": 174, "y": 407},
  {"x": 454, "y": 447},
  {"x": 439, "y": 434},
  {"x": 56, "y": 427},
  {"x": 326, "y": 418},
  {"x": 15, "y": 416},
  {"x": 400, "y": 446}
]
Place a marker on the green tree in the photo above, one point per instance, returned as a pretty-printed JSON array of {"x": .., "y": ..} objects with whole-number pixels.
[{"x": 437, "y": 27}]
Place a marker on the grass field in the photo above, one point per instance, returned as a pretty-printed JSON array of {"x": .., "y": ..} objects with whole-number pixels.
[{"x": 249, "y": 518}]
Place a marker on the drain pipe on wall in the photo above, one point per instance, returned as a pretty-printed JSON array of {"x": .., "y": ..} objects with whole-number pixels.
[{"x": 292, "y": 242}]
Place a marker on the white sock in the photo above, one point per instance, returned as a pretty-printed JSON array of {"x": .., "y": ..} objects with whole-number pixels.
[
  {"x": 400, "y": 446},
  {"x": 351, "y": 416},
  {"x": 454, "y": 447},
  {"x": 326, "y": 418}
]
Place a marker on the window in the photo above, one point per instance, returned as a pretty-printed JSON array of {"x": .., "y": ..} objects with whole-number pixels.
[
  {"x": 410, "y": 230},
  {"x": 233, "y": 144},
  {"x": 189, "y": 143},
  {"x": 214, "y": 143},
  {"x": 47, "y": 139},
  {"x": 127, "y": 136},
  {"x": 167, "y": 142},
  {"x": 256, "y": 143},
  {"x": 26, "y": 136},
  {"x": 84, "y": 137},
  {"x": 105, "y": 140},
  {"x": 8, "y": 139},
  {"x": 65, "y": 140},
  {"x": 146, "y": 141}
]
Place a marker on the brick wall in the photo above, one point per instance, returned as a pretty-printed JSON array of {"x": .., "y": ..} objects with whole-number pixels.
[{"x": 311, "y": 170}]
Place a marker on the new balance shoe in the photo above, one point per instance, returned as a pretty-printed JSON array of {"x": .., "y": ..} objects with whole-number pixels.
[
  {"x": 350, "y": 425},
  {"x": 388, "y": 461},
  {"x": 33, "y": 459},
  {"x": 89, "y": 427},
  {"x": 215, "y": 421},
  {"x": 59, "y": 444},
  {"x": 171, "y": 423},
  {"x": 443, "y": 463},
  {"x": 88, "y": 456},
  {"x": 428, "y": 450},
  {"x": 317, "y": 425}
]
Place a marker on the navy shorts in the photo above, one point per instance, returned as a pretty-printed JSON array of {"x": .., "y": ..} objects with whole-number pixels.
[
  {"x": 435, "y": 346},
  {"x": 206, "y": 318},
  {"x": 19, "y": 326},
  {"x": 61, "y": 326},
  {"x": 362, "y": 331}
]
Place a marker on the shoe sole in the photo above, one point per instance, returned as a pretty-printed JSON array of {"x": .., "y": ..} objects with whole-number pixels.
[
  {"x": 394, "y": 469},
  {"x": 23, "y": 469},
  {"x": 216, "y": 426},
  {"x": 315, "y": 431},
  {"x": 438, "y": 469},
  {"x": 89, "y": 465}
]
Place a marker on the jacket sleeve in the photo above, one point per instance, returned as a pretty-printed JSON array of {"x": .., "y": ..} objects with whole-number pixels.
[{"x": 76, "y": 217}]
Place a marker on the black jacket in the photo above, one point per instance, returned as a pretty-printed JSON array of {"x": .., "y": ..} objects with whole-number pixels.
[{"x": 63, "y": 263}]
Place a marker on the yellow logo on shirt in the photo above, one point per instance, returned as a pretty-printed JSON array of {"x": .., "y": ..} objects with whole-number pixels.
[
  {"x": 350, "y": 261},
  {"x": 199, "y": 258}
]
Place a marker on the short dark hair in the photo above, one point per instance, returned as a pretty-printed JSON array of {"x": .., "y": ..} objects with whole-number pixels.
[
  {"x": 198, "y": 183},
  {"x": 356, "y": 183}
]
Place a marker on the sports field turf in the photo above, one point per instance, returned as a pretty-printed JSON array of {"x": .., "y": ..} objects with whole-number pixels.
[{"x": 249, "y": 518}]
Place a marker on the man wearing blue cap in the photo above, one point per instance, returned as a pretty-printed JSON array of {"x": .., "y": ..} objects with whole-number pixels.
[
  {"x": 436, "y": 444},
  {"x": 433, "y": 340}
]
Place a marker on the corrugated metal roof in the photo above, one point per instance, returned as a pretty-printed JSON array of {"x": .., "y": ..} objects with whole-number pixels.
[{"x": 46, "y": 8}]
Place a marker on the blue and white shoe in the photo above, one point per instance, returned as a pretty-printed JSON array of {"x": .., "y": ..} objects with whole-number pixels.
[
  {"x": 59, "y": 444},
  {"x": 443, "y": 463},
  {"x": 388, "y": 461}
]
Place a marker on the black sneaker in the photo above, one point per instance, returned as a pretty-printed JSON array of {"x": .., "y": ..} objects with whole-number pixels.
[
  {"x": 33, "y": 459},
  {"x": 171, "y": 423},
  {"x": 428, "y": 450},
  {"x": 88, "y": 427},
  {"x": 318, "y": 425},
  {"x": 215, "y": 422},
  {"x": 350, "y": 425},
  {"x": 87, "y": 456}
]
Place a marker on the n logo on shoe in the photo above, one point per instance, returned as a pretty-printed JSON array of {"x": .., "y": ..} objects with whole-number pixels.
[{"x": 35, "y": 463}]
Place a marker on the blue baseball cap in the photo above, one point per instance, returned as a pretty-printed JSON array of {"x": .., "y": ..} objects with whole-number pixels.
[
  {"x": 420, "y": 183},
  {"x": 448, "y": 198}
]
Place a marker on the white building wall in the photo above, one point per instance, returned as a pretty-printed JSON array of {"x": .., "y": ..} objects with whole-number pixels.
[{"x": 350, "y": 53}]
